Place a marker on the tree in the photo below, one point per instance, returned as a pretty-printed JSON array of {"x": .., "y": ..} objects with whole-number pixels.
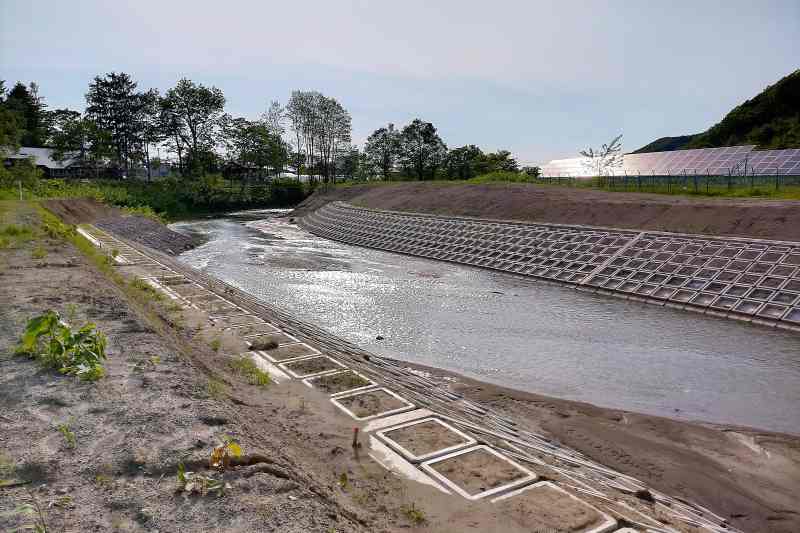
[
  {"x": 321, "y": 128},
  {"x": 500, "y": 161},
  {"x": 31, "y": 114},
  {"x": 193, "y": 113},
  {"x": 422, "y": 151},
  {"x": 253, "y": 144},
  {"x": 465, "y": 162},
  {"x": 599, "y": 162},
  {"x": 10, "y": 124},
  {"x": 118, "y": 109},
  {"x": 78, "y": 138},
  {"x": 533, "y": 172},
  {"x": 274, "y": 118},
  {"x": 150, "y": 129},
  {"x": 381, "y": 149}
]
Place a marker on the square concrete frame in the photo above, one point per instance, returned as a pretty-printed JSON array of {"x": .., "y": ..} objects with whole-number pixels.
[
  {"x": 275, "y": 330},
  {"x": 253, "y": 320},
  {"x": 282, "y": 366},
  {"x": 309, "y": 382},
  {"x": 527, "y": 478},
  {"x": 313, "y": 353},
  {"x": 467, "y": 440},
  {"x": 406, "y": 407},
  {"x": 609, "y": 523}
]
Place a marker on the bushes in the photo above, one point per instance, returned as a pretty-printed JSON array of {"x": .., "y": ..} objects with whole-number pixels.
[{"x": 171, "y": 198}]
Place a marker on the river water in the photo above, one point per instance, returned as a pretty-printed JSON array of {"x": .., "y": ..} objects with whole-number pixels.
[{"x": 511, "y": 331}]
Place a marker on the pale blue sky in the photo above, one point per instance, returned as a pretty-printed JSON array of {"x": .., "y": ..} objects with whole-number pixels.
[{"x": 542, "y": 79}]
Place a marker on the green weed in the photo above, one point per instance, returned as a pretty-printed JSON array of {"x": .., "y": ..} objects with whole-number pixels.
[
  {"x": 68, "y": 434},
  {"x": 145, "y": 289},
  {"x": 215, "y": 389},
  {"x": 248, "y": 368},
  {"x": 414, "y": 514},
  {"x": 39, "y": 252},
  {"x": 50, "y": 341},
  {"x": 216, "y": 344}
]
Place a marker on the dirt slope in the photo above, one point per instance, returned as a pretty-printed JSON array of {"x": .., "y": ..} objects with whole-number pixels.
[{"x": 769, "y": 219}]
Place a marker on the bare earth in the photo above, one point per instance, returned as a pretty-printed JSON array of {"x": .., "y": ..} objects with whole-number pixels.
[
  {"x": 750, "y": 475},
  {"x": 745, "y": 217},
  {"x": 157, "y": 407}
]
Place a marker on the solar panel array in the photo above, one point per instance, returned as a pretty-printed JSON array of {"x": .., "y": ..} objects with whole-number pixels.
[
  {"x": 735, "y": 160},
  {"x": 752, "y": 279}
]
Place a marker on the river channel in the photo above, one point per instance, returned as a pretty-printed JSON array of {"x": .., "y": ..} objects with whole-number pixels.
[{"x": 508, "y": 330}]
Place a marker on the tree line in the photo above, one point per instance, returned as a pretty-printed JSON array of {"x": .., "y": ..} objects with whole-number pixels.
[{"x": 124, "y": 128}]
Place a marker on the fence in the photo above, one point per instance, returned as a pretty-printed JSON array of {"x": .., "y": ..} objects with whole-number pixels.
[{"x": 692, "y": 183}]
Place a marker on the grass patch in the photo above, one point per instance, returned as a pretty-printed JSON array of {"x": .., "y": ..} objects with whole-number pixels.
[
  {"x": 215, "y": 389},
  {"x": 414, "y": 514},
  {"x": 145, "y": 290},
  {"x": 246, "y": 367},
  {"x": 39, "y": 252}
]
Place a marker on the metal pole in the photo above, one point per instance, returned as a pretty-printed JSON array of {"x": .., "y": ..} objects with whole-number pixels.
[{"x": 19, "y": 182}]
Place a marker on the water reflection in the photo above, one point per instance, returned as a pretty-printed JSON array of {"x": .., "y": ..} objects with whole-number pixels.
[{"x": 509, "y": 330}]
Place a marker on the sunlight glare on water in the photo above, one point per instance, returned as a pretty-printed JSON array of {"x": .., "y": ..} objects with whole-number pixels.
[{"x": 509, "y": 330}]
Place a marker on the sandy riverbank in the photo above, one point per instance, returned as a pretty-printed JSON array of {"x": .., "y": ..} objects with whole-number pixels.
[{"x": 750, "y": 475}]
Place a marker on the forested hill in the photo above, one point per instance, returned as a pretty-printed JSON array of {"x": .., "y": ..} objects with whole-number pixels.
[{"x": 770, "y": 120}]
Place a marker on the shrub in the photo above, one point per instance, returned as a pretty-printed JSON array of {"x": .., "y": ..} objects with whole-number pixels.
[{"x": 49, "y": 340}]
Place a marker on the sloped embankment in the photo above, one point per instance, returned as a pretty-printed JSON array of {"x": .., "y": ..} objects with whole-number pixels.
[
  {"x": 744, "y": 217},
  {"x": 135, "y": 228}
]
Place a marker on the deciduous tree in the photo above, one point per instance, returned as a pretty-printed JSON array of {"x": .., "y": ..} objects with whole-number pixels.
[{"x": 422, "y": 151}]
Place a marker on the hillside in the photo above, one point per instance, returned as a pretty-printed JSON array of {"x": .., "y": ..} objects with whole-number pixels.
[{"x": 770, "y": 120}]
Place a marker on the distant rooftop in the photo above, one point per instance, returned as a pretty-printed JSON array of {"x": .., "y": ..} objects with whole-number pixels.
[{"x": 43, "y": 157}]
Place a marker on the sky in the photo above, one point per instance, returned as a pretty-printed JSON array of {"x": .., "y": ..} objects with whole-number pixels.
[{"x": 543, "y": 79}]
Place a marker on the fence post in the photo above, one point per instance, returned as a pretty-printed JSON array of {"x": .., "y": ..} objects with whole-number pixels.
[
  {"x": 20, "y": 189},
  {"x": 777, "y": 178}
]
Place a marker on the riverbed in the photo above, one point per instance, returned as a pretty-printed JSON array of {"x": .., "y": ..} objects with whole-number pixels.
[{"x": 509, "y": 330}]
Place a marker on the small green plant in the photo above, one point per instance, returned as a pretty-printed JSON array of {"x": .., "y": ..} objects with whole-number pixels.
[
  {"x": 414, "y": 514},
  {"x": 216, "y": 344},
  {"x": 39, "y": 252},
  {"x": 248, "y": 368},
  {"x": 344, "y": 483},
  {"x": 68, "y": 434},
  {"x": 145, "y": 289},
  {"x": 72, "y": 312},
  {"x": 49, "y": 340},
  {"x": 215, "y": 389},
  {"x": 114, "y": 253}
]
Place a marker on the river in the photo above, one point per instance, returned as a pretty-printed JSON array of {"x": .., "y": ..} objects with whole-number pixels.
[{"x": 509, "y": 330}]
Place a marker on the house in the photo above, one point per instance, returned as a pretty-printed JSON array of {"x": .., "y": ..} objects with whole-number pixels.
[{"x": 43, "y": 159}]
